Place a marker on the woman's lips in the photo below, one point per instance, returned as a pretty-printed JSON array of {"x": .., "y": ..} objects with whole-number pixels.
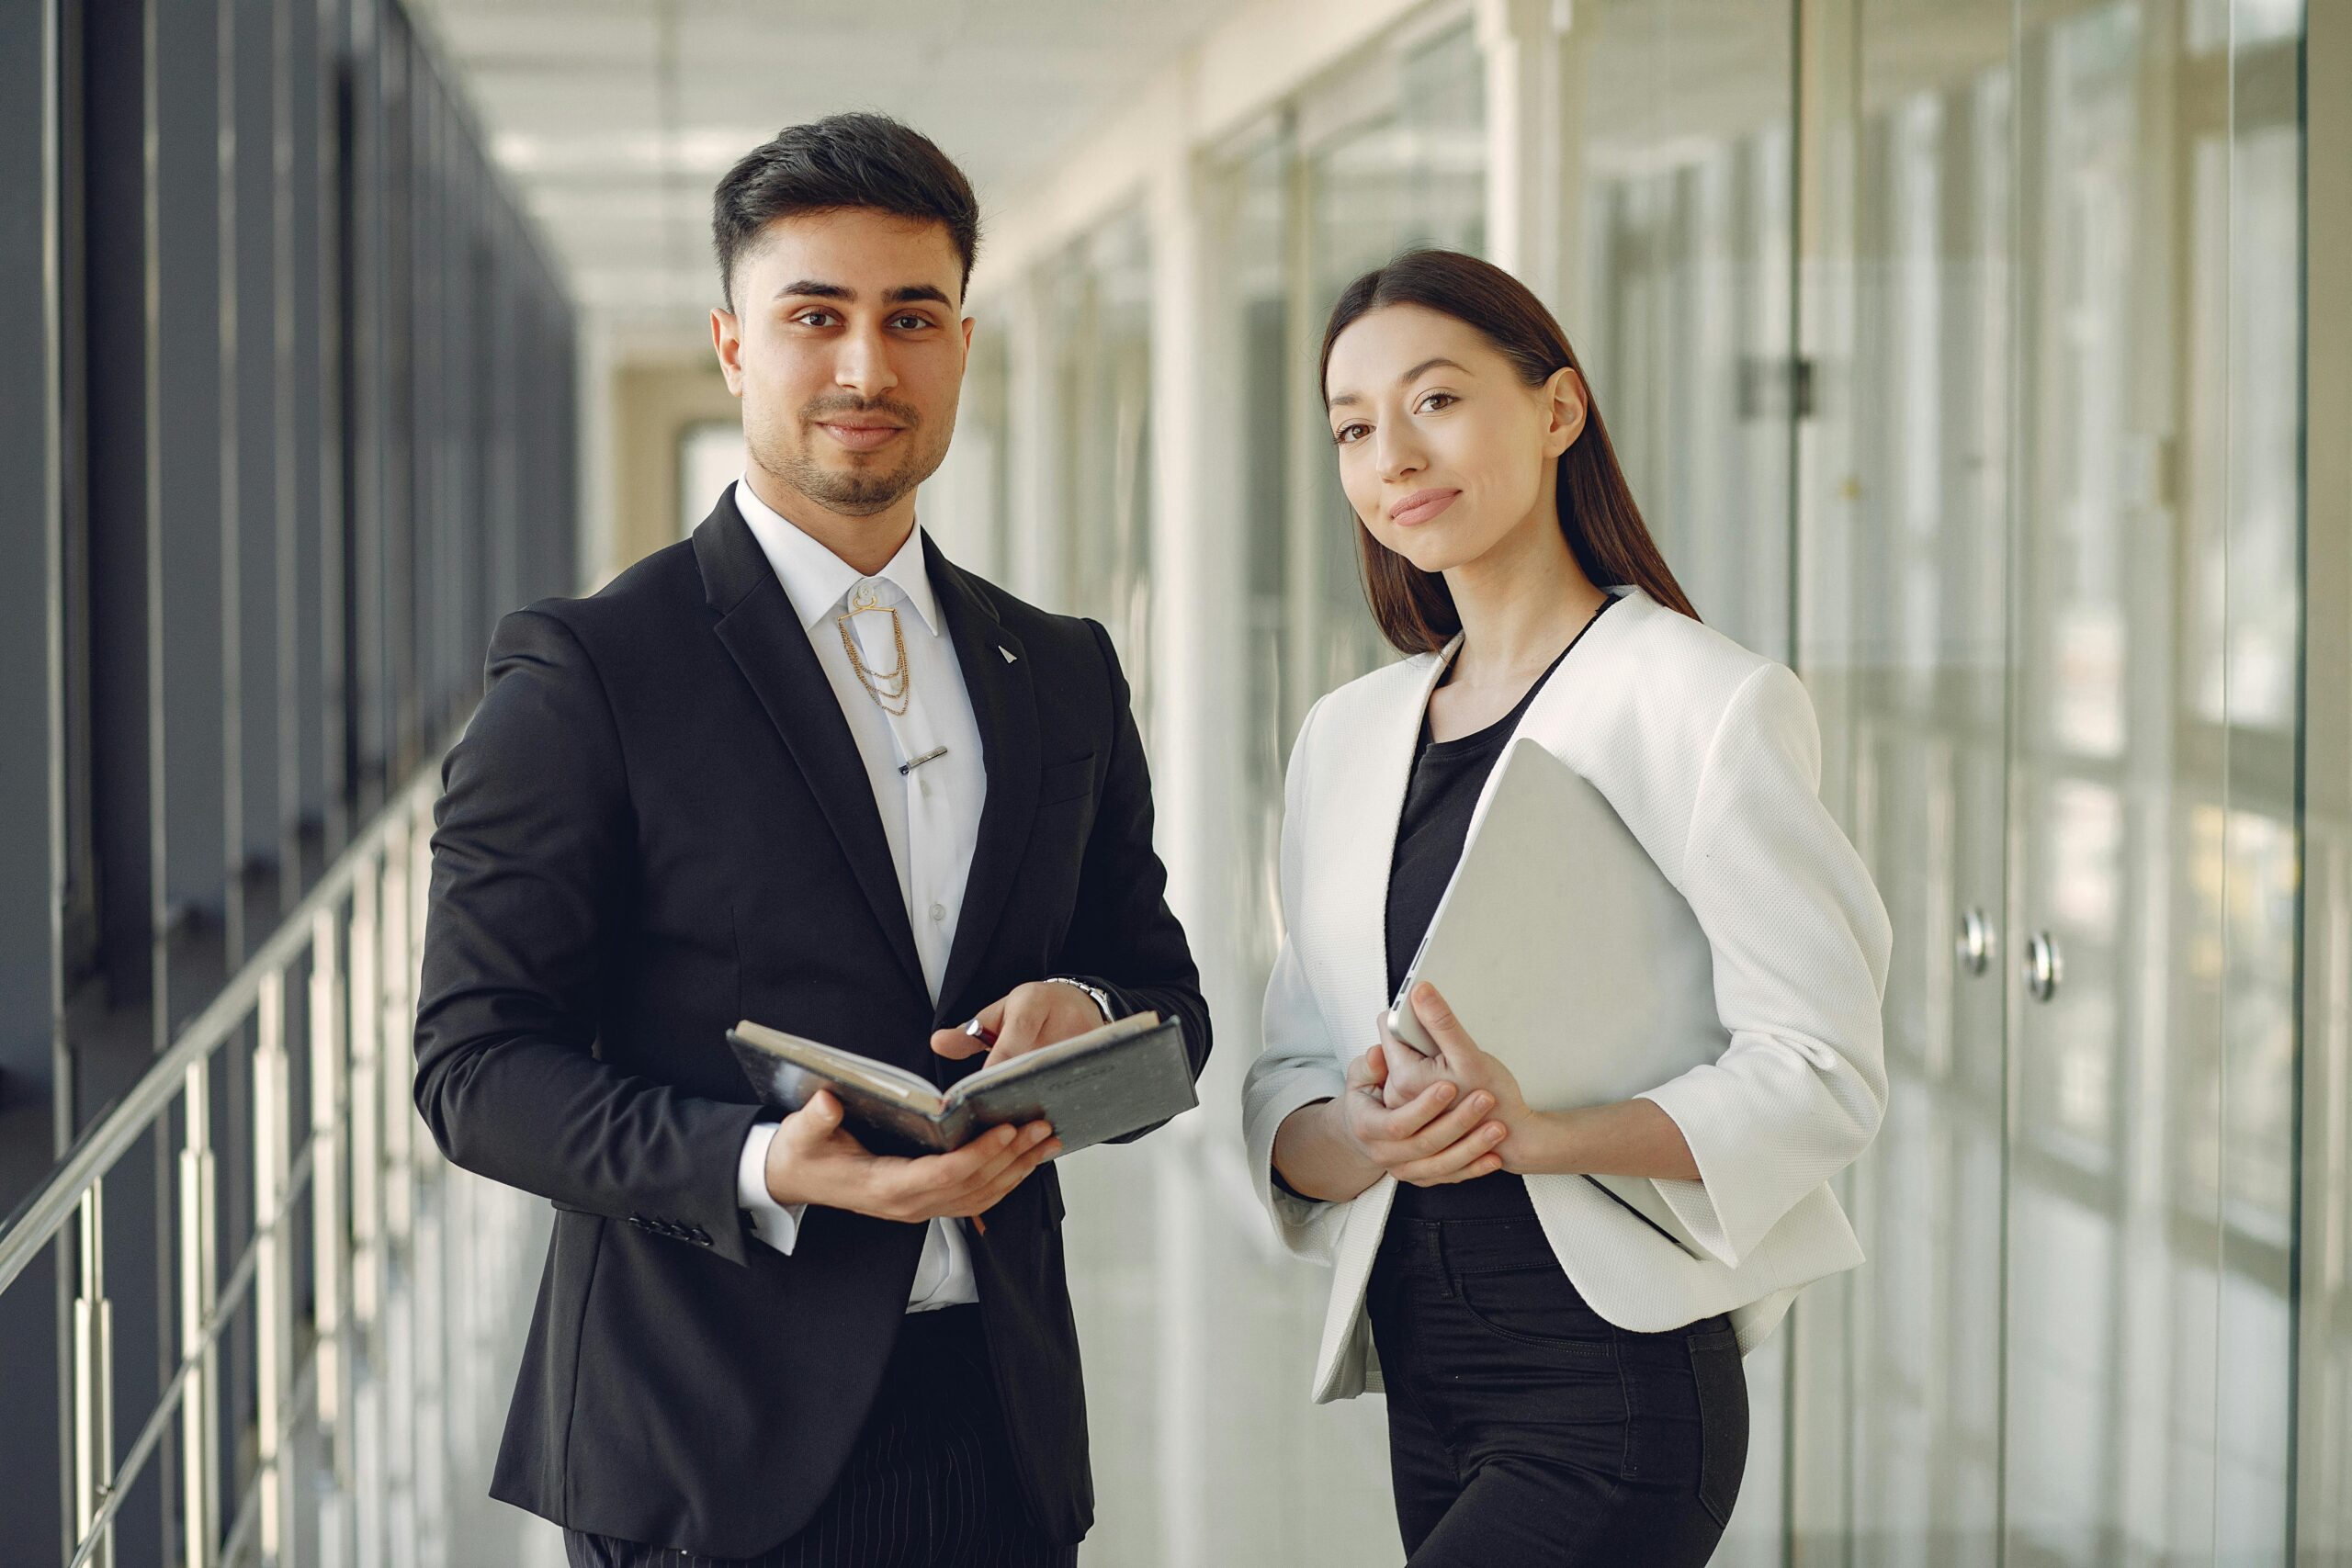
[
  {"x": 862, "y": 437},
  {"x": 1420, "y": 506}
]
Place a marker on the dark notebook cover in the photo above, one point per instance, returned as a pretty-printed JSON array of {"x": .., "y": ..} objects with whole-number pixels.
[{"x": 1126, "y": 1076}]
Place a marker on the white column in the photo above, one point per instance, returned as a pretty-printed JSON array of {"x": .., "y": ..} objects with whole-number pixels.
[
  {"x": 596, "y": 365},
  {"x": 1196, "y": 597},
  {"x": 1032, "y": 485},
  {"x": 1520, "y": 40}
]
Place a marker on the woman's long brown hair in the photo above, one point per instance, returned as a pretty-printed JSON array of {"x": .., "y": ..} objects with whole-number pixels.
[{"x": 1597, "y": 517}]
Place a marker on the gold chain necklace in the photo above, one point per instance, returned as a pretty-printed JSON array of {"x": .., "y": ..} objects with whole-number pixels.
[{"x": 892, "y": 686}]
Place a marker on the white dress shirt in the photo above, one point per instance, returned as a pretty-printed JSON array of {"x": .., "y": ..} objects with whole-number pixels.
[{"x": 930, "y": 816}]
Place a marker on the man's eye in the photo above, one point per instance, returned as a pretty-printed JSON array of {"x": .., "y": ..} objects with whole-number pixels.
[
  {"x": 815, "y": 317},
  {"x": 912, "y": 323}
]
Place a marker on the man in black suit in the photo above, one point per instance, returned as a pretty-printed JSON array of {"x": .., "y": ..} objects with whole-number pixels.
[{"x": 799, "y": 769}]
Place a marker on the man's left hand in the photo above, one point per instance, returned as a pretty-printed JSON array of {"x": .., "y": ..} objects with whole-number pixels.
[{"x": 1031, "y": 1015}]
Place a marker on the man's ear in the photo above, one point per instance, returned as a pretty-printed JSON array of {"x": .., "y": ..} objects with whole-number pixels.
[{"x": 727, "y": 342}]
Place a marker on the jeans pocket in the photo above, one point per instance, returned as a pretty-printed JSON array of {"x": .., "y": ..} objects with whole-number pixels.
[
  {"x": 1539, "y": 1307},
  {"x": 1721, "y": 1384}
]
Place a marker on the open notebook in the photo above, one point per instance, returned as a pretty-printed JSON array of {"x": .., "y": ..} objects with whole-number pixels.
[{"x": 1128, "y": 1075}]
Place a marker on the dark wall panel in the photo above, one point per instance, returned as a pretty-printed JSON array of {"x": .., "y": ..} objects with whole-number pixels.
[
  {"x": 191, "y": 461},
  {"x": 31, "y": 540},
  {"x": 276, "y": 348},
  {"x": 262, "y": 443}
]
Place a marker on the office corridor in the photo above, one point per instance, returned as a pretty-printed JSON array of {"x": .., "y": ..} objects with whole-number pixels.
[{"x": 1988, "y": 362}]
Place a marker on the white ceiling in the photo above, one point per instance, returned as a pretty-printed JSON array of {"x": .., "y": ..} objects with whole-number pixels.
[{"x": 616, "y": 118}]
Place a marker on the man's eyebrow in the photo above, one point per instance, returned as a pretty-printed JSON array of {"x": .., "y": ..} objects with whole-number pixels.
[
  {"x": 1407, "y": 379},
  {"x": 905, "y": 294}
]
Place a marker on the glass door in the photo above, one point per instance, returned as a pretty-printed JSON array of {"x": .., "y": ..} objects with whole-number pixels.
[
  {"x": 2052, "y": 616},
  {"x": 2149, "y": 1403},
  {"x": 1677, "y": 212},
  {"x": 1906, "y": 471}
]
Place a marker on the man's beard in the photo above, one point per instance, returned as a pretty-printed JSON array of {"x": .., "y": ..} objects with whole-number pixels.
[{"x": 854, "y": 492}]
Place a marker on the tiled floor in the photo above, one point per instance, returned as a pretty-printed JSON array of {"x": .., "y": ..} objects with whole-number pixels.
[{"x": 1199, "y": 1334}]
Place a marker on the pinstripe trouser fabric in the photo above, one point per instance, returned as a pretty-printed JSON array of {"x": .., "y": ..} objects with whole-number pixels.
[{"x": 930, "y": 1484}]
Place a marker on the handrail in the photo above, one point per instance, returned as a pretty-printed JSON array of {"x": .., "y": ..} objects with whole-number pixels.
[
  {"x": 413, "y": 1265},
  {"x": 37, "y": 1220}
]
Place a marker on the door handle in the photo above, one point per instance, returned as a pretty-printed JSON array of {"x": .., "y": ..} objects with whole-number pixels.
[
  {"x": 1974, "y": 944},
  {"x": 2043, "y": 966}
]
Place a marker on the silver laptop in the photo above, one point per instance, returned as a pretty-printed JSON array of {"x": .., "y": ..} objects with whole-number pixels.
[{"x": 1566, "y": 951}]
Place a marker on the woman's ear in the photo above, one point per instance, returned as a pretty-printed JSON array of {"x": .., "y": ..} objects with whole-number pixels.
[{"x": 1564, "y": 395}]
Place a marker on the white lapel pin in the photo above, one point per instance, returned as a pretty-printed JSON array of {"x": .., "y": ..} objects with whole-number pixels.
[{"x": 1008, "y": 654}]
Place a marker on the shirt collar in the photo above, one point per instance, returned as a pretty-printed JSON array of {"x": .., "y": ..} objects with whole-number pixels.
[{"x": 816, "y": 580}]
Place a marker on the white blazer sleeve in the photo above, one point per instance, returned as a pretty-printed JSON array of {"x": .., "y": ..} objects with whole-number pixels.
[
  {"x": 1298, "y": 1065},
  {"x": 1801, "y": 946}
]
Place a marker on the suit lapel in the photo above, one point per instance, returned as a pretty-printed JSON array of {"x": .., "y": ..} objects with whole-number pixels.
[
  {"x": 760, "y": 629},
  {"x": 1004, "y": 705}
]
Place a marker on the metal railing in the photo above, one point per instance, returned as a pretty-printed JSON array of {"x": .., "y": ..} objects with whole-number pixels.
[{"x": 361, "y": 1394}]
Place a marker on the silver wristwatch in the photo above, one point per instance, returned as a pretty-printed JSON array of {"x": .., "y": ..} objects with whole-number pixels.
[{"x": 1102, "y": 998}]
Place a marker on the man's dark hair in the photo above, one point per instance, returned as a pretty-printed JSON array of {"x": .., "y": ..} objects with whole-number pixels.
[{"x": 842, "y": 161}]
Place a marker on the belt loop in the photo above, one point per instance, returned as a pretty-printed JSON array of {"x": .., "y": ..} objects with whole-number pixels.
[{"x": 1437, "y": 1256}]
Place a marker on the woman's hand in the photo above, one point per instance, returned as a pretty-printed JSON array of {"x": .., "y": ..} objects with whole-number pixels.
[
  {"x": 1330, "y": 1150},
  {"x": 1409, "y": 1072},
  {"x": 1429, "y": 1140},
  {"x": 1630, "y": 1137},
  {"x": 1460, "y": 1063}
]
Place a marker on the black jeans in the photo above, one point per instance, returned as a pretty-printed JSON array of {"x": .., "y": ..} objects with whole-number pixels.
[{"x": 1523, "y": 1429}]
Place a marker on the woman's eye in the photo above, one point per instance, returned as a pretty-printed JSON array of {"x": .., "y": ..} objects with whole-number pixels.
[
  {"x": 1437, "y": 401},
  {"x": 1346, "y": 433}
]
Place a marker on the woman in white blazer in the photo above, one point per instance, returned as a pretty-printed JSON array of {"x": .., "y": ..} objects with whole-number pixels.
[{"x": 1563, "y": 1375}]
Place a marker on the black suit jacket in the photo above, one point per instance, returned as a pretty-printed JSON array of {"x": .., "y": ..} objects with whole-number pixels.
[{"x": 658, "y": 823}]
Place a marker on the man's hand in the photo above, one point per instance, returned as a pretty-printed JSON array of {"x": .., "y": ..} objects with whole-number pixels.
[
  {"x": 1039, "y": 1013},
  {"x": 813, "y": 1160}
]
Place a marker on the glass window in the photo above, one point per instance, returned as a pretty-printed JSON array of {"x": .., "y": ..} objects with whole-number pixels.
[
  {"x": 1405, "y": 167},
  {"x": 966, "y": 505},
  {"x": 1679, "y": 299},
  {"x": 710, "y": 458},
  {"x": 1099, "y": 318}
]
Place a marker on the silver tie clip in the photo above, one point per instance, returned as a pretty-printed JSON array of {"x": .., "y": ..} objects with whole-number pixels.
[{"x": 912, "y": 763}]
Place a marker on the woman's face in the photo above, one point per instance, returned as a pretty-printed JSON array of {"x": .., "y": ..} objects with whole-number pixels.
[{"x": 1443, "y": 450}]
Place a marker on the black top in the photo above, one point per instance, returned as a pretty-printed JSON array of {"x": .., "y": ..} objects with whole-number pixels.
[{"x": 1448, "y": 777}]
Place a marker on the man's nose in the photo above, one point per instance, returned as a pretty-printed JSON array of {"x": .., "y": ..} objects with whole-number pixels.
[{"x": 863, "y": 365}]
